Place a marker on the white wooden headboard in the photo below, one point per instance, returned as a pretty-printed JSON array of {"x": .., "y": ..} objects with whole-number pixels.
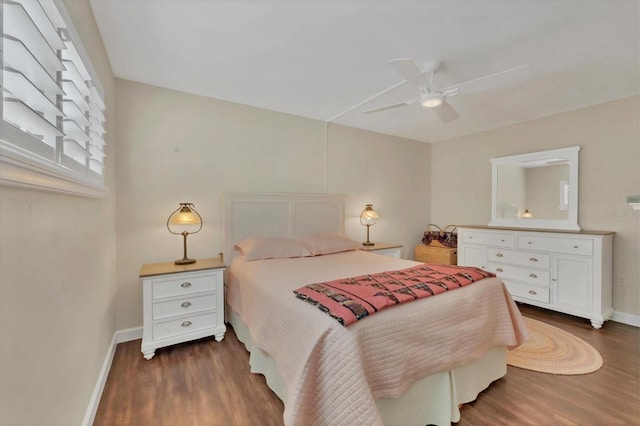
[{"x": 278, "y": 215}]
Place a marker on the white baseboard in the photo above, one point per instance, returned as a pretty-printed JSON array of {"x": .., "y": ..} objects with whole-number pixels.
[
  {"x": 120, "y": 336},
  {"x": 90, "y": 414},
  {"x": 128, "y": 334},
  {"x": 625, "y": 318}
]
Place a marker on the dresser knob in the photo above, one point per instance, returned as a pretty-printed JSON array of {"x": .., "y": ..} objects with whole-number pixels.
[
  {"x": 533, "y": 259},
  {"x": 498, "y": 254},
  {"x": 575, "y": 246},
  {"x": 186, "y": 324},
  {"x": 553, "y": 279},
  {"x": 529, "y": 242},
  {"x": 499, "y": 270},
  {"x": 186, "y": 304},
  {"x": 502, "y": 241},
  {"x": 533, "y": 276},
  {"x": 532, "y": 292},
  {"x": 185, "y": 285}
]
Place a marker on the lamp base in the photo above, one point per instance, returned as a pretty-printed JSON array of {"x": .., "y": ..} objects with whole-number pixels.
[
  {"x": 185, "y": 261},
  {"x": 368, "y": 243}
]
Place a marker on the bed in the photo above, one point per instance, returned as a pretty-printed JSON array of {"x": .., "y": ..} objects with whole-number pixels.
[{"x": 413, "y": 363}]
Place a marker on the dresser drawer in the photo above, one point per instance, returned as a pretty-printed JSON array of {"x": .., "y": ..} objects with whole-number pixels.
[
  {"x": 184, "y": 285},
  {"x": 531, "y": 292},
  {"x": 166, "y": 329},
  {"x": 557, "y": 245},
  {"x": 489, "y": 238},
  {"x": 184, "y": 306},
  {"x": 521, "y": 273},
  {"x": 526, "y": 258}
]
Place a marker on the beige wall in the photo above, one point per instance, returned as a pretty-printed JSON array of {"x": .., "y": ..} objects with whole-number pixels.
[
  {"x": 57, "y": 263},
  {"x": 609, "y": 137},
  {"x": 176, "y": 147}
]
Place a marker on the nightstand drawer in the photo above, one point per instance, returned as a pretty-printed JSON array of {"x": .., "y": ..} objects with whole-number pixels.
[
  {"x": 184, "y": 285},
  {"x": 167, "y": 329},
  {"x": 184, "y": 306},
  {"x": 526, "y": 258},
  {"x": 529, "y": 275}
]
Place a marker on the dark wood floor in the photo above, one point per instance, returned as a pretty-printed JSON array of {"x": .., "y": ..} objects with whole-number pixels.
[{"x": 209, "y": 383}]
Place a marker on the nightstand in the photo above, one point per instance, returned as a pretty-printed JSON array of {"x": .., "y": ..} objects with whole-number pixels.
[
  {"x": 385, "y": 249},
  {"x": 181, "y": 303}
]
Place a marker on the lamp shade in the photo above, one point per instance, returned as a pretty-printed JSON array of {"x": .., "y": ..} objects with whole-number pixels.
[
  {"x": 185, "y": 216},
  {"x": 368, "y": 216}
]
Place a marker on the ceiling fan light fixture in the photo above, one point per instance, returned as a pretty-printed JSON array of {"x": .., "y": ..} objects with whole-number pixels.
[{"x": 432, "y": 100}]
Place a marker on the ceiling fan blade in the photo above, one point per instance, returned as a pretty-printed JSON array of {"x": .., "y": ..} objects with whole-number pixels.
[
  {"x": 508, "y": 77},
  {"x": 410, "y": 71},
  {"x": 413, "y": 101},
  {"x": 445, "y": 112}
]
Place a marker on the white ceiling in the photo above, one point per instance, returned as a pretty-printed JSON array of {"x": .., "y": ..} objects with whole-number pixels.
[{"x": 318, "y": 59}]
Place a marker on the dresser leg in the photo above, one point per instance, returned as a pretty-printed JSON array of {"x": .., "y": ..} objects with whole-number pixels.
[
  {"x": 149, "y": 354},
  {"x": 597, "y": 323},
  {"x": 219, "y": 337}
]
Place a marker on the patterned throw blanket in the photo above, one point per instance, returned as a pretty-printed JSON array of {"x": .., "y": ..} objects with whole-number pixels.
[{"x": 349, "y": 299}]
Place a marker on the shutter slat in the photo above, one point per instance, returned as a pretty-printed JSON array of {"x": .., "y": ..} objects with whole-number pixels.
[
  {"x": 72, "y": 92},
  {"x": 17, "y": 56},
  {"x": 19, "y": 25},
  {"x": 71, "y": 73},
  {"x": 73, "y": 131},
  {"x": 25, "y": 90},
  {"x": 21, "y": 116},
  {"x": 73, "y": 112},
  {"x": 42, "y": 22}
]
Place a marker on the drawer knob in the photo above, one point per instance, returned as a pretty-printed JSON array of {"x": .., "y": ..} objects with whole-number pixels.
[
  {"x": 533, "y": 276},
  {"x": 185, "y": 285},
  {"x": 498, "y": 254},
  {"x": 502, "y": 241},
  {"x": 186, "y": 304},
  {"x": 533, "y": 259},
  {"x": 186, "y": 324},
  {"x": 532, "y": 292},
  {"x": 499, "y": 270},
  {"x": 575, "y": 246},
  {"x": 529, "y": 242}
]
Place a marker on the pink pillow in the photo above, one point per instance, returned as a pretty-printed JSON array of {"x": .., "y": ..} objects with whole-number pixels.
[
  {"x": 329, "y": 243},
  {"x": 271, "y": 248}
]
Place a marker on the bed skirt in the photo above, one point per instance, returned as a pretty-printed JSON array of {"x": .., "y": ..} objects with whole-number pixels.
[{"x": 432, "y": 400}]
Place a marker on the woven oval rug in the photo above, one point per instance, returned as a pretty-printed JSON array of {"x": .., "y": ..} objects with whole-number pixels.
[{"x": 554, "y": 351}]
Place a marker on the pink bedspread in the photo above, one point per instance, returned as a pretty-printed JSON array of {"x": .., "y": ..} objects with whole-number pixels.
[
  {"x": 334, "y": 374},
  {"x": 349, "y": 299}
]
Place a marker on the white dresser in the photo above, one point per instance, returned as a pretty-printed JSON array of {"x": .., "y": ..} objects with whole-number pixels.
[
  {"x": 181, "y": 303},
  {"x": 568, "y": 272}
]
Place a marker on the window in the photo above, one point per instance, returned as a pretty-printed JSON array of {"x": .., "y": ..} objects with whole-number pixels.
[{"x": 52, "y": 132}]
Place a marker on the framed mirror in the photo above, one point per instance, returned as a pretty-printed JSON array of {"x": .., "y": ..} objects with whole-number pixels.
[{"x": 536, "y": 190}]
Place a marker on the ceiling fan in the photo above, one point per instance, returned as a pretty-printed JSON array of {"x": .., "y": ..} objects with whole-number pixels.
[{"x": 430, "y": 96}]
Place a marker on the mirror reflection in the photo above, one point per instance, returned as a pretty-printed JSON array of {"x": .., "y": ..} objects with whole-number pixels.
[{"x": 536, "y": 190}]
